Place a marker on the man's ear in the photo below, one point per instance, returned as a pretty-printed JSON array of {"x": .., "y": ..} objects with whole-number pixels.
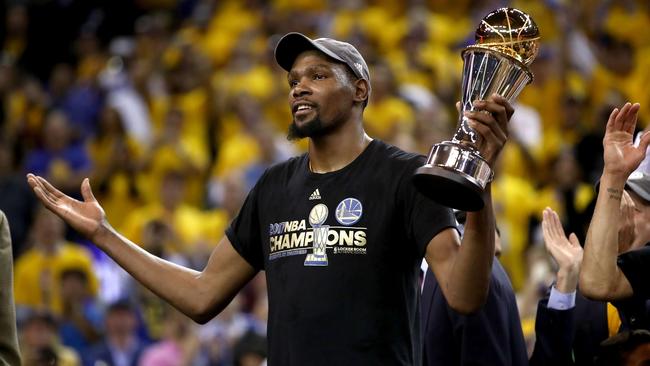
[{"x": 361, "y": 90}]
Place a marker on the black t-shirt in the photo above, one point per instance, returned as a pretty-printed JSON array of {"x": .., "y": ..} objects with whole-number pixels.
[
  {"x": 635, "y": 310},
  {"x": 362, "y": 306},
  {"x": 635, "y": 265}
]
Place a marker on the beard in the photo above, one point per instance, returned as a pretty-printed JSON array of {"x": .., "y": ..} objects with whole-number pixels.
[{"x": 313, "y": 128}]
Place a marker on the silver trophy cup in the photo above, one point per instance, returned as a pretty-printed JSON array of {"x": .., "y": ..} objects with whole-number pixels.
[{"x": 455, "y": 174}]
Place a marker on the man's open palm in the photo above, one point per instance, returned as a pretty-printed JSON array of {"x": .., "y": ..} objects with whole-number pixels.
[
  {"x": 621, "y": 156},
  {"x": 86, "y": 216}
]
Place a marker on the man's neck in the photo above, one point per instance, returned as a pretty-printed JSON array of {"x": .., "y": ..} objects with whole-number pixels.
[{"x": 338, "y": 149}]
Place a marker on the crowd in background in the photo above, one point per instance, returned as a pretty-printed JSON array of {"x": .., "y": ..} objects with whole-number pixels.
[{"x": 174, "y": 108}]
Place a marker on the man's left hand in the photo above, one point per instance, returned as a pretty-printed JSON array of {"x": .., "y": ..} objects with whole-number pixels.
[{"x": 490, "y": 119}]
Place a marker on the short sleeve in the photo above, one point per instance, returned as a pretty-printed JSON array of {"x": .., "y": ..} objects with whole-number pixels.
[
  {"x": 424, "y": 217},
  {"x": 634, "y": 265},
  {"x": 244, "y": 230}
]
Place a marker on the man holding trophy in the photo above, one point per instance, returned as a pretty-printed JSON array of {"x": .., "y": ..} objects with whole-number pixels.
[{"x": 340, "y": 231}]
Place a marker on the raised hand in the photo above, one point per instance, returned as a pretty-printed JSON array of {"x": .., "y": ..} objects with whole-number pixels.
[
  {"x": 86, "y": 217},
  {"x": 621, "y": 156},
  {"x": 490, "y": 119},
  {"x": 566, "y": 252}
]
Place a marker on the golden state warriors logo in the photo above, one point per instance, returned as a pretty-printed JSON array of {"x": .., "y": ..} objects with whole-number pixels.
[{"x": 349, "y": 211}]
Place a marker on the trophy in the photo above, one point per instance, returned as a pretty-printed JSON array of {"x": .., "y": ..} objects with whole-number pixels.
[
  {"x": 317, "y": 217},
  {"x": 455, "y": 173}
]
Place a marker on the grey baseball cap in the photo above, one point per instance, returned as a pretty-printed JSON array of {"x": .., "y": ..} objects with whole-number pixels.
[
  {"x": 639, "y": 180},
  {"x": 293, "y": 44},
  {"x": 639, "y": 183}
]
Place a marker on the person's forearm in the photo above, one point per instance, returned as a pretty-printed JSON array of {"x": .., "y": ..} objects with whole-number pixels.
[
  {"x": 470, "y": 274},
  {"x": 600, "y": 275},
  {"x": 182, "y": 287}
]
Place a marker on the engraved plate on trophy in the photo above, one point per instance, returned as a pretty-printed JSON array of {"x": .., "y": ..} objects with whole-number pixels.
[{"x": 507, "y": 41}]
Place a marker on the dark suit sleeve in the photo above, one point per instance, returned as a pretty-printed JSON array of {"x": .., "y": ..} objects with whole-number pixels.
[
  {"x": 9, "y": 354},
  {"x": 490, "y": 336},
  {"x": 554, "y": 332}
]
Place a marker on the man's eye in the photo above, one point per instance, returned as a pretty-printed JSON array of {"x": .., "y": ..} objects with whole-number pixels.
[
  {"x": 293, "y": 83},
  {"x": 319, "y": 76}
]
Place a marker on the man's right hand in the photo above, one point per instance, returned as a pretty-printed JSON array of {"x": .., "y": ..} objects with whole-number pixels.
[
  {"x": 566, "y": 252},
  {"x": 87, "y": 217},
  {"x": 620, "y": 155}
]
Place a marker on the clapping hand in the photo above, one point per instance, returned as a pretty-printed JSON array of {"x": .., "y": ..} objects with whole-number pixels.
[{"x": 567, "y": 252}]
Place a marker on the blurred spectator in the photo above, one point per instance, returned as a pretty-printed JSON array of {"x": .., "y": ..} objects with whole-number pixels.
[
  {"x": 125, "y": 86},
  {"x": 220, "y": 336},
  {"x": 26, "y": 106},
  {"x": 121, "y": 345},
  {"x": 516, "y": 203},
  {"x": 15, "y": 32},
  {"x": 539, "y": 277},
  {"x": 189, "y": 225},
  {"x": 84, "y": 99},
  {"x": 39, "y": 270},
  {"x": 81, "y": 317},
  {"x": 39, "y": 343},
  {"x": 179, "y": 345},
  {"x": 59, "y": 84},
  {"x": 59, "y": 158},
  {"x": 237, "y": 147},
  {"x": 176, "y": 149},
  {"x": 116, "y": 164},
  {"x": 387, "y": 116},
  {"x": 567, "y": 192},
  {"x": 16, "y": 198},
  {"x": 159, "y": 239},
  {"x": 250, "y": 350}
]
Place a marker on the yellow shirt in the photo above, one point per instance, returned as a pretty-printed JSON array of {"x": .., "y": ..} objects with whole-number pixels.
[
  {"x": 515, "y": 202},
  {"x": 37, "y": 275},
  {"x": 189, "y": 224},
  {"x": 239, "y": 151},
  {"x": 384, "y": 118},
  {"x": 121, "y": 195}
]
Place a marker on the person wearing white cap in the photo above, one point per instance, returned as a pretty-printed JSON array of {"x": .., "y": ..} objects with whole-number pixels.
[
  {"x": 340, "y": 230},
  {"x": 604, "y": 274}
]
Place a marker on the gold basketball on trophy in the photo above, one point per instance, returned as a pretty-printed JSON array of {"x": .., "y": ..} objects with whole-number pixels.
[{"x": 510, "y": 31}]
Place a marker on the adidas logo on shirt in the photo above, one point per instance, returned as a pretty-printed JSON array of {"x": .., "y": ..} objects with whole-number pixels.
[{"x": 315, "y": 195}]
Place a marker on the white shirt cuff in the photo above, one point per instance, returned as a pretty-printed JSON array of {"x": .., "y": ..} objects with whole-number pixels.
[{"x": 561, "y": 301}]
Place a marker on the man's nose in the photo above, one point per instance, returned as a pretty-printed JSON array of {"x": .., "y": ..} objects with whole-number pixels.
[{"x": 300, "y": 89}]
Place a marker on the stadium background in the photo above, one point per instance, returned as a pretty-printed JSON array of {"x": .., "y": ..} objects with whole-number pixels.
[{"x": 175, "y": 108}]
